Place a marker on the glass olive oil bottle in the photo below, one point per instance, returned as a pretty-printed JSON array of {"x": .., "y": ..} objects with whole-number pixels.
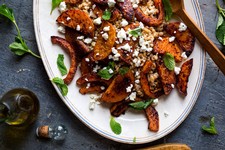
[{"x": 19, "y": 107}]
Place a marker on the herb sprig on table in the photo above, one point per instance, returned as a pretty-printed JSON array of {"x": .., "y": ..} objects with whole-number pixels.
[
  {"x": 220, "y": 29},
  {"x": 211, "y": 129},
  {"x": 19, "y": 46}
]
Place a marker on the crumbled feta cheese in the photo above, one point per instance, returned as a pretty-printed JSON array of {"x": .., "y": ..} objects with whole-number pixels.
[
  {"x": 111, "y": 3},
  {"x": 87, "y": 40},
  {"x": 125, "y": 47},
  {"x": 160, "y": 38},
  {"x": 86, "y": 79},
  {"x": 61, "y": 29},
  {"x": 93, "y": 44},
  {"x": 62, "y": 7},
  {"x": 96, "y": 68},
  {"x": 137, "y": 81},
  {"x": 68, "y": 18},
  {"x": 132, "y": 96},
  {"x": 141, "y": 41},
  {"x": 141, "y": 25},
  {"x": 172, "y": 38},
  {"x": 184, "y": 56},
  {"x": 155, "y": 102},
  {"x": 106, "y": 28},
  {"x": 175, "y": 32},
  {"x": 114, "y": 51},
  {"x": 182, "y": 27},
  {"x": 92, "y": 14},
  {"x": 102, "y": 88},
  {"x": 93, "y": 101},
  {"x": 134, "y": 38},
  {"x": 177, "y": 70},
  {"x": 135, "y": 53},
  {"x": 137, "y": 74},
  {"x": 105, "y": 36},
  {"x": 137, "y": 62},
  {"x": 80, "y": 37},
  {"x": 129, "y": 88},
  {"x": 121, "y": 35},
  {"x": 93, "y": 6},
  {"x": 97, "y": 21},
  {"x": 88, "y": 85},
  {"x": 87, "y": 59},
  {"x": 78, "y": 28},
  {"x": 172, "y": 85},
  {"x": 135, "y": 6},
  {"x": 111, "y": 71},
  {"x": 124, "y": 23}
]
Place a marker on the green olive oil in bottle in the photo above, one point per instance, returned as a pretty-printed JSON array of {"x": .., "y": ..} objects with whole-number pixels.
[{"x": 19, "y": 107}]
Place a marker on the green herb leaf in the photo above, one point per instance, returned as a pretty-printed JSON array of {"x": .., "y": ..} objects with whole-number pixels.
[
  {"x": 115, "y": 126},
  {"x": 60, "y": 83},
  {"x": 141, "y": 105},
  {"x": 123, "y": 70},
  {"x": 211, "y": 129},
  {"x": 136, "y": 32},
  {"x": 106, "y": 15},
  {"x": 168, "y": 9},
  {"x": 105, "y": 72},
  {"x": 220, "y": 33},
  {"x": 134, "y": 140},
  {"x": 169, "y": 61},
  {"x": 220, "y": 21},
  {"x": 61, "y": 66},
  {"x": 19, "y": 47},
  {"x": 7, "y": 12},
  {"x": 55, "y": 3}
]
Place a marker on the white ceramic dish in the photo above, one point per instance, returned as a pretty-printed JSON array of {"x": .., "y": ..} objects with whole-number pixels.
[{"x": 134, "y": 124}]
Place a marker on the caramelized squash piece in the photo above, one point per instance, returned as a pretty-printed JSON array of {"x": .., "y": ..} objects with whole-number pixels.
[
  {"x": 98, "y": 11},
  {"x": 77, "y": 18},
  {"x": 87, "y": 66},
  {"x": 145, "y": 83},
  {"x": 185, "y": 38},
  {"x": 168, "y": 78},
  {"x": 116, "y": 14},
  {"x": 127, "y": 10},
  {"x": 104, "y": 47},
  {"x": 101, "y": 2},
  {"x": 70, "y": 50},
  {"x": 119, "y": 108},
  {"x": 149, "y": 20},
  {"x": 117, "y": 89},
  {"x": 153, "y": 118},
  {"x": 72, "y": 2},
  {"x": 182, "y": 78},
  {"x": 162, "y": 46}
]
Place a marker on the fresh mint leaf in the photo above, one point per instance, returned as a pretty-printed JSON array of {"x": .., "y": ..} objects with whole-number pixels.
[
  {"x": 123, "y": 70},
  {"x": 19, "y": 47},
  {"x": 60, "y": 83},
  {"x": 211, "y": 129},
  {"x": 136, "y": 32},
  {"x": 220, "y": 33},
  {"x": 168, "y": 9},
  {"x": 141, "y": 105},
  {"x": 61, "y": 66},
  {"x": 106, "y": 73},
  {"x": 115, "y": 126},
  {"x": 220, "y": 21},
  {"x": 169, "y": 61},
  {"x": 55, "y": 3},
  {"x": 106, "y": 15},
  {"x": 7, "y": 12}
]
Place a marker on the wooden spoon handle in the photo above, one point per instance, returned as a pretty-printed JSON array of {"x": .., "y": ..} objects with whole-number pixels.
[
  {"x": 206, "y": 43},
  {"x": 174, "y": 146}
]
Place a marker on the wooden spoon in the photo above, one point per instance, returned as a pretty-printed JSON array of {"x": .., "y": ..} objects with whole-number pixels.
[
  {"x": 168, "y": 146},
  {"x": 207, "y": 44}
]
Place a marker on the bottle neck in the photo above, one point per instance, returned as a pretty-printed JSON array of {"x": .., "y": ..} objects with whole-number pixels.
[{"x": 3, "y": 112}]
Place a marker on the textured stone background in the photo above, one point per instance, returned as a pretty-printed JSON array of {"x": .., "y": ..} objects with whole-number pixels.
[{"x": 53, "y": 111}]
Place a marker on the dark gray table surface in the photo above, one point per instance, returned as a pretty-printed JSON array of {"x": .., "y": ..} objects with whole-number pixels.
[{"x": 53, "y": 111}]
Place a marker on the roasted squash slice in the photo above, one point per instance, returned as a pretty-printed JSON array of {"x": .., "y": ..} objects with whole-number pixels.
[
  {"x": 182, "y": 78},
  {"x": 127, "y": 9},
  {"x": 117, "y": 89},
  {"x": 185, "y": 38},
  {"x": 78, "y": 18},
  {"x": 104, "y": 47},
  {"x": 153, "y": 118},
  {"x": 70, "y": 50},
  {"x": 163, "y": 46}
]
